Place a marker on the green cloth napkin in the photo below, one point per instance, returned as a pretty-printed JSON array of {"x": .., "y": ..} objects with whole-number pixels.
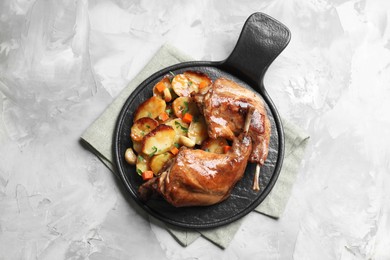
[{"x": 99, "y": 138}]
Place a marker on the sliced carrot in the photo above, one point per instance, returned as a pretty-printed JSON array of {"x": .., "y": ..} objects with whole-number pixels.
[
  {"x": 174, "y": 150},
  {"x": 187, "y": 118},
  {"x": 160, "y": 86},
  {"x": 226, "y": 148},
  {"x": 163, "y": 116},
  {"x": 203, "y": 84},
  {"x": 147, "y": 175}
]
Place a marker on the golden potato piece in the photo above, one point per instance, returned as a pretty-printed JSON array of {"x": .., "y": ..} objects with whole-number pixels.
[
  {"x": 142, "y": 127},
  {"x": 167, "y": 95},
  {"x": 158, "y": 161},
  {"x": 183, "y": 140},
  {"x": 198, "y": 131},
  {"x": 214, "y": 145},
  {"x": 201, "y": 81},
  {"x": 182, "y": 105},
  {"x": 182, "y": 86},
  {"x": 163, "y": 89},
  {"x": 181, "y": 128},
  {"x": 142, "y": 164},
  {"x": 152, "y": 108},
  {"x": 158, "y": 141},
  {"x": 137, "y": 146},
  {"x": 197, "y": 77}
]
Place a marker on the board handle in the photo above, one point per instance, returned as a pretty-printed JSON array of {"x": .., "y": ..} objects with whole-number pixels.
[{"x": 261, "y": 40}]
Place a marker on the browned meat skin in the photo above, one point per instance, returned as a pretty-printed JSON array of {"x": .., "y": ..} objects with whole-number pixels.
[
  {"x": 200, "y": 178},
  {"x": 225, "y": 107}
]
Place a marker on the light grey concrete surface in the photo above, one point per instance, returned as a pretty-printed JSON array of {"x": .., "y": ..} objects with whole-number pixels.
[{"x": 63, "y": 62}]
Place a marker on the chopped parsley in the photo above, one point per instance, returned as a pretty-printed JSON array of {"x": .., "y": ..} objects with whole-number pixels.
[
  {"x": 185, "y": 129},
  {"x": 154, "y": 150},
  {"x": 189, "y": 83},
  {"x": 207, "y": 150},
  {"x": 173, "y": 74},
  {"x": 185, "y": 110},
  {"x": 139, "y": 172},
  {"x": 140, "y": 158},
  {"x": 168, "y": 111},
  {"x": 176, "y": 145}
]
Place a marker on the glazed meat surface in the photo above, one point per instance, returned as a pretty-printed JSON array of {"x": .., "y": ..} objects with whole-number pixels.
[
  {"x": 200, "y": 178},
  {"x": 225, "y": 107}
]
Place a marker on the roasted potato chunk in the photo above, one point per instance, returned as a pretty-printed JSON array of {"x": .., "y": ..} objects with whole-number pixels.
[
  {"x": 152, "y": 108},
  {"x": 183, "y": 140},
  {"x": 181, "y": 128},
  {"x": 215, "y": 145},
  {"x": 137, "y": 146},
  {"x": 198, "y": 131},
  {"x": 142, "y": 164},
  {"x": 182, "y": 105},
  {"x": 200, "y": 80},
  {"x": 158, "y": 161},
  {"x": 163, "y": 89},
  {"x": 158, "y": 141},
  {"x": 183, "y": 86},
  {"x": 142, "y": 127}
]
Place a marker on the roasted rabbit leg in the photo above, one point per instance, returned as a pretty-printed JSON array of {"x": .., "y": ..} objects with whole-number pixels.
[{"x": 225, "y": 107}]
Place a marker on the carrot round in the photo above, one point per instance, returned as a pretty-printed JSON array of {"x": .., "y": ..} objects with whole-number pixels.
[
  {"x": 147, "y": 175},
  {"x": 163, "y": 116},
  {"x": 187, "y": 118},
  {"x": 174, "y": 150},
  {"x": 203, "y": 84},
  {"x": 160, "y": 86}
]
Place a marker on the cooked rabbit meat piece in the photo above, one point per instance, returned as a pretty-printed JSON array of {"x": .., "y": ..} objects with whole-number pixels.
[
  {"x": 225, "y": 106},
  {"x": 200, "y": 178}
]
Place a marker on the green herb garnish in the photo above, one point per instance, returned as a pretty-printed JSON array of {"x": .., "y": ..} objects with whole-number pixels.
[
  {"x": 154, "y": 148},
  {"x": 140, "y": 158},
  {"x": 185, "y": 110},
  {"x": 139, "y": 172},
  {"x": 207, "y": 150},
  {"x": 176, "y": 145},
  {"x": 173, "y": 74},
  {"x": 185, "y": 129}
]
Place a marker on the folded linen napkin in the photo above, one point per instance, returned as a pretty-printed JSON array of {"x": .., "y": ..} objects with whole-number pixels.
[{"x": 99, "y": 138}]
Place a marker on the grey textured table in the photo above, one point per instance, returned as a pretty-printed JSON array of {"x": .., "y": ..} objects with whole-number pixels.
[{"x": 63, "y": 62}]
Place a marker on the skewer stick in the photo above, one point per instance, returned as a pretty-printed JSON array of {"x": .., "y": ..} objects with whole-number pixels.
[
  {"x": 256, "y": 186},
  {"x": 248, "y": 119}
]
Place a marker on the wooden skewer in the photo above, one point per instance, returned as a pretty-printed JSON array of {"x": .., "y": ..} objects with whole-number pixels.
[
  {"x": 248, "y": 119},
  {"x": 256, "y": 186}
]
